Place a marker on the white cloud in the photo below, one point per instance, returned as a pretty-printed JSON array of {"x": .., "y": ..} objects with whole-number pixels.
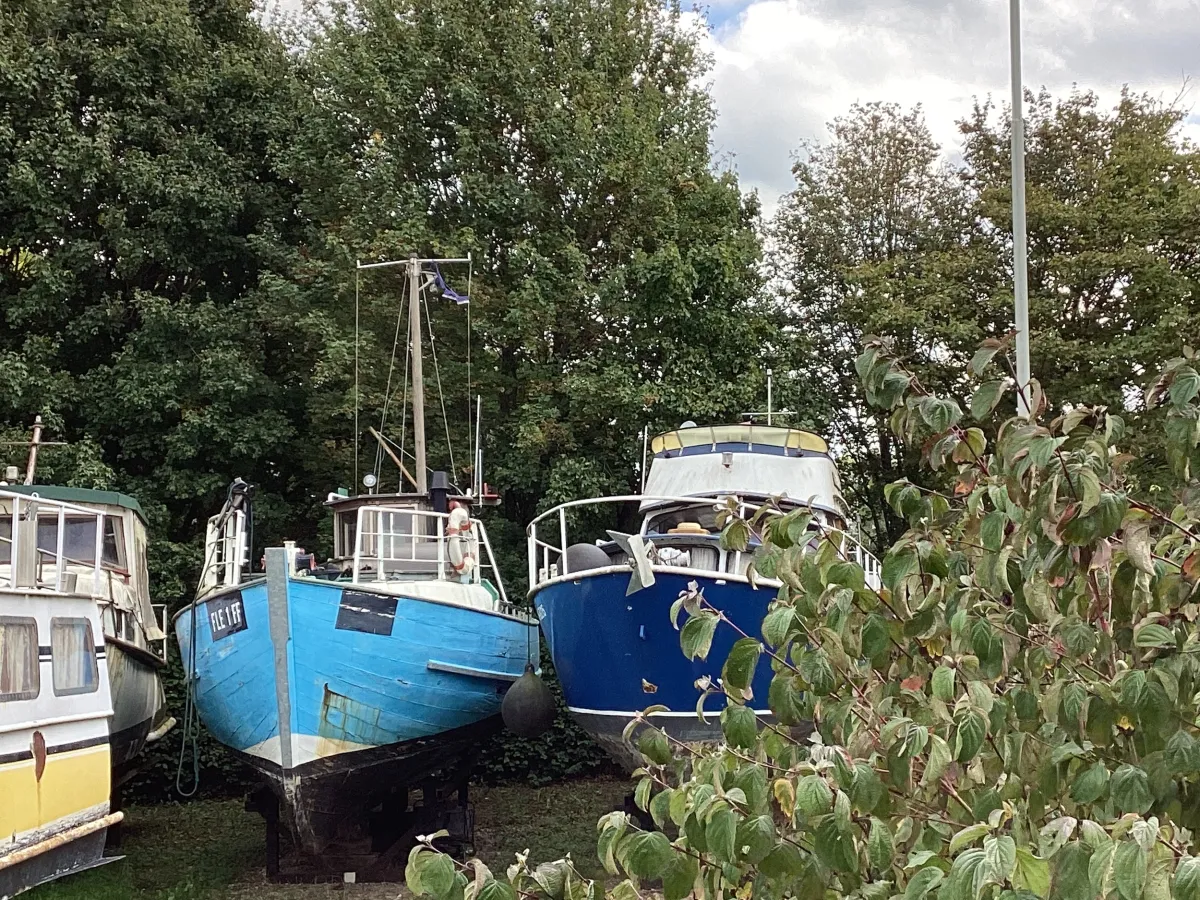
[{"x": 783, "y": 68}]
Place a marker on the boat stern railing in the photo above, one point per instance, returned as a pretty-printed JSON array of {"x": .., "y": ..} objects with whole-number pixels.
[
  {"x": 27, "y": 565},
  {"x": 407, "y": 540},
  {"x": 547, "y": 537}
]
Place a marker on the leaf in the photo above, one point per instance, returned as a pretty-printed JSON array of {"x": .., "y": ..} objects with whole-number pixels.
[
  {"x": 660, "y": 807},
  {"x": 939, "y": 413},
  {"x": 1000, "y": 857},
  {"x": 496, "y": 890},
  {"x": 1089, "y": 786},
  {"x": 612, "y": 828},
  {"x": 652, "y": 744},
  {"x": 939, "y": 760},
  {"x": 785, "y": 699},
  {"x": 960, "y": 884},
  {"x": 969, "y": 835},
  {"x": 1137, "y": 544},
  {"x": 721, "y": 833},
  {"x": 755, "y": 838},
  {"x": 835, "y": 848},
  {"x": 817, "y": 671},
  {"x": 943, "y": 684},
  {"x": 1184, "y": 386},
  {"x": 739, "y": 725},
  {"x": 880, "y": 848},
  {"x": 985, "y": 398},
  {"x": 784, "y": 861},
  {"x": 1055, "y": 833},
  {"x": 776, "y": 625},
  {"x": 1031, "y": 873},
  {"x": 738, "y": 670},
  {"x": 1154, "y": 635},
  {"x": 875, "y": 636},
  {"x": 898, "y": 564},
  {"x": 1129, "y": 870},
  {"x": 436, "y": 874},
  {"x": 679, "y": 877},
  {"x": 982, "y": 358},
  {"x": 697, "y": 634},
  {"x": 922, "y": 882},
  {"x": 785, "y": 795},
  {"x": 1069, "y": 878},
  {"x": 1130, "y": 789},
  {"x": 1186, "y": 885},
  {"x": 813, "y": 795},
  {"x": 969, "y": 734}
]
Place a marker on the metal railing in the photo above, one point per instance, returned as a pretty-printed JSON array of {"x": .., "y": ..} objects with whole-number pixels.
[
  {"x": 34, "y": 568},
  {"x": 407, "y": 541},
  {"x": 548, "y": 560},
  {"x": 225, "y": 551}
]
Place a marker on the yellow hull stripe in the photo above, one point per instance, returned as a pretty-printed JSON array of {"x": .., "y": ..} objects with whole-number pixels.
[{"x": 72, "y": 782}]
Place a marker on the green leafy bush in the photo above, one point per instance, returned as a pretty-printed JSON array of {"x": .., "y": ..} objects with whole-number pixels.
[{"x": 1010, "y": 714}]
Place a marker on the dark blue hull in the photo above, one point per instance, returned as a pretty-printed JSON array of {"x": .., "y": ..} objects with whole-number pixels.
[{"x": 616, "y": 655}]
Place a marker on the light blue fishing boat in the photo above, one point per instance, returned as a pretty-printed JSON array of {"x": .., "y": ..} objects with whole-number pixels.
[{"x": 348, "y": 685}]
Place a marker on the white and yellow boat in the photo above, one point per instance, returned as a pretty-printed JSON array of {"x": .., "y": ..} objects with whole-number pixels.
[{"x": 55, "y": 765}]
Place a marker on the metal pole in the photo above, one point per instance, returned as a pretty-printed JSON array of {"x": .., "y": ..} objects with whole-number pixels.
[
  {"x": 1020, "y": 253},
  {"x": 414, "y": 318},
  {"x": 768, "y": 396}
]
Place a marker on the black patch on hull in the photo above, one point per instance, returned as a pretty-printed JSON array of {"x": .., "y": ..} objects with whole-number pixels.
[
  {"x": 331, "y": 798},
  {"x": 366, "y": 612}
]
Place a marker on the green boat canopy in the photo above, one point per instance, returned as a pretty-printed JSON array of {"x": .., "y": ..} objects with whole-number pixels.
[{"x": 80, "y": 496}]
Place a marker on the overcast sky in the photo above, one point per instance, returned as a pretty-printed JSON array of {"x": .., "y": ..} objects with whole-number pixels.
[{"x": 783, "y": 68}]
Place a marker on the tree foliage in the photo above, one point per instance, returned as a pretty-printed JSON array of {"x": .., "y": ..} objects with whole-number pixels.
[
  {"x": 1009, "y": 710},
  {"x": 881, "y": 236}
]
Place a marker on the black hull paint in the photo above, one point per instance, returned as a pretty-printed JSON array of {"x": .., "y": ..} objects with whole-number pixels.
[{"x": 331, "y": 799}]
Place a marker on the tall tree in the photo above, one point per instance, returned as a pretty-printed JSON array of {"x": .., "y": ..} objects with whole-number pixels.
[
  {"x": 147, "y": 252},
  {"x": 871, "y": 240},
  {"x": 566, "y": 147},
  {"x": 1114, "y": 251}
]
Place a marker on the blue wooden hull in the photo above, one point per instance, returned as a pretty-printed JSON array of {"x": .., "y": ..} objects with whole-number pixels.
[
  {"x": 616, "y": 655},
  {"x": 337, "y": 707}
]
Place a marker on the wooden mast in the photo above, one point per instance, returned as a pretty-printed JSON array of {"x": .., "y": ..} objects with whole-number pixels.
[{"x": 418, "y": 403}]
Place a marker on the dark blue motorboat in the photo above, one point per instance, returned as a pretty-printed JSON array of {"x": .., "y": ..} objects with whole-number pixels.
[{"x": 615, "y": 650}]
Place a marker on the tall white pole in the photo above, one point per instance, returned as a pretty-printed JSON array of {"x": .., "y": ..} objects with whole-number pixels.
[{"x": 1020, "y": 253}]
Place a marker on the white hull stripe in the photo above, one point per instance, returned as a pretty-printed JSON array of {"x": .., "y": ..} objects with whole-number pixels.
[{"x": 616, "y": 713}]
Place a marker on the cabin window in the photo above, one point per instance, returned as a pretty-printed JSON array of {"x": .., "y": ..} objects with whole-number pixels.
[
  {"x": 5, "y": 539},
  {"x": 73, "y": 654},
  {"x": 19, "y": 677},
  {"x": 79, "y": 539}
]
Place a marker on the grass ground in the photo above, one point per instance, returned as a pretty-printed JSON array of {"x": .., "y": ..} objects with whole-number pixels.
[{"x": 217, "y": 850}]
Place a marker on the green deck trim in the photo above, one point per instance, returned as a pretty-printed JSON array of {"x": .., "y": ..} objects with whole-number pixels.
[{"x": 79, "y": 496}]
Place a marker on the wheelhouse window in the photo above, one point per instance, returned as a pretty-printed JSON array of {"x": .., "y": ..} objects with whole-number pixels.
[
  {"x": 79, "y": 539},
  {"x": 73, "y": 656},
  {"x": 19, "y": 677}
]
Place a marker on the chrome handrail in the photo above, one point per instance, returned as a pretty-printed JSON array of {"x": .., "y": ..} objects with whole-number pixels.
[{"x": 853, "y": 549}]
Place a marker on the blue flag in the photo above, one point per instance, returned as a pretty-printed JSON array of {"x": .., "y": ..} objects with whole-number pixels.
[{"x": 447, "y": 291}]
